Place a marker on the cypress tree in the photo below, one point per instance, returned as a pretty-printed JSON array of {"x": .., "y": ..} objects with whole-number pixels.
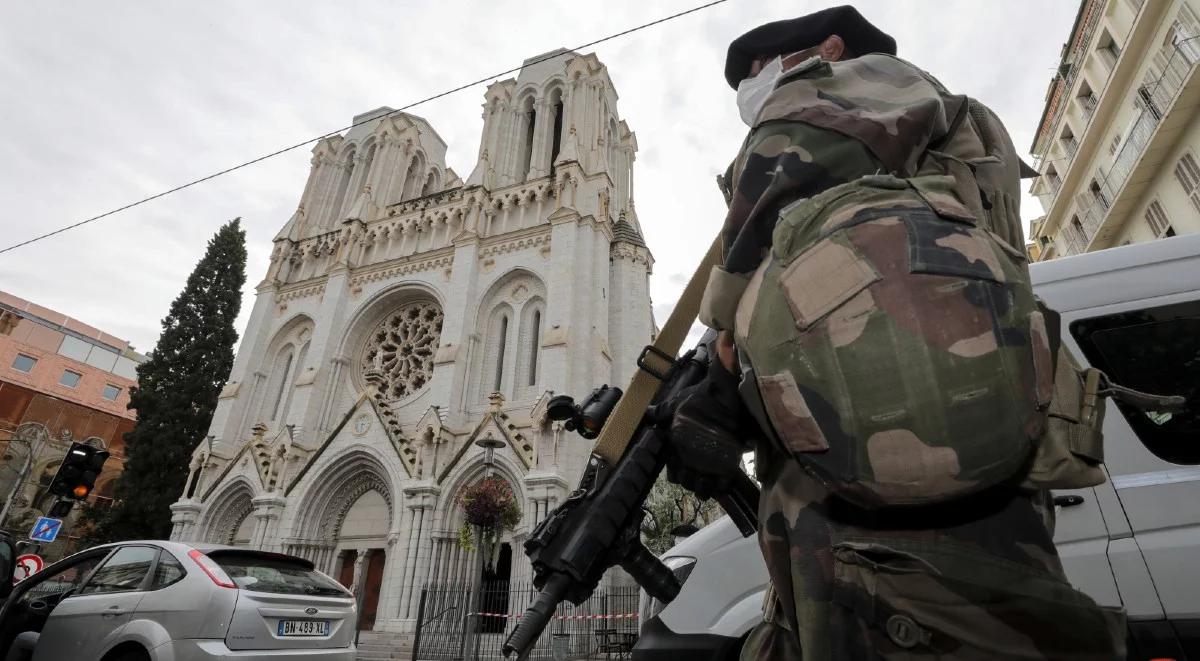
[{"x": 176, "y": 394}]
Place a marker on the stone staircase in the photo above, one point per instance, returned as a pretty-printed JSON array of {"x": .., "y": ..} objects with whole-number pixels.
[{"x": 384, "y": 646}]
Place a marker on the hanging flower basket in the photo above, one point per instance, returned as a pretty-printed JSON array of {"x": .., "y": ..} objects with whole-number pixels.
[{"x": 489, "y": 506}]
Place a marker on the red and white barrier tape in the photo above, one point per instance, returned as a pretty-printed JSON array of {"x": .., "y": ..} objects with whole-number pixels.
[{"x": 517, "y": 616}]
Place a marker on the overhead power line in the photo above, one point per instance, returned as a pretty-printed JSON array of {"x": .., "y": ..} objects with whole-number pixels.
[{"x": 309, "y": 141}]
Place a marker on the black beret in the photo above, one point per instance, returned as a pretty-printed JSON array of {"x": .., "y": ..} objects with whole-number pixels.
[{"x": 782, "y": 37}]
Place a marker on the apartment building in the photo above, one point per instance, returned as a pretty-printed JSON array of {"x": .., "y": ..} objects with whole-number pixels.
[
  {"x": 61, "y": 380},
  {"x": 1118, "y": 145}
]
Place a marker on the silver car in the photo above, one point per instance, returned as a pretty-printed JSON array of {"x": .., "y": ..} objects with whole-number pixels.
[{"x": 168, "y": 601}]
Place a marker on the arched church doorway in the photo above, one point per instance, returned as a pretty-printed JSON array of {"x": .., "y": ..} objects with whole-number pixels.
[
  {"x": 245, "y": 530},
  {"x": 495, "y": 595},
  {"x": 362, "y": 546}
]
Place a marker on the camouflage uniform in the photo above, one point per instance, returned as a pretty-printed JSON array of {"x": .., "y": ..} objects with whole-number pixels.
[{"x": 974, "y": 578}]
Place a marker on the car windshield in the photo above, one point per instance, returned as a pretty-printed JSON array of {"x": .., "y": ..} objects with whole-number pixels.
[{"x": 278, "y": 574}]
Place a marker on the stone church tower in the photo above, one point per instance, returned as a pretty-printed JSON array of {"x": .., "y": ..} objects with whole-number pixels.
[{"x": 408, "y": 313}]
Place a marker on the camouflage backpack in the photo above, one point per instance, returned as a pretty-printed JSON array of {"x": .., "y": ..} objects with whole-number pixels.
[{"x": 898, "y": 349}]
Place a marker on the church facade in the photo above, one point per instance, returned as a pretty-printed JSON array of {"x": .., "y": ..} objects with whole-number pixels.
[{"x": 407, "y": 314}]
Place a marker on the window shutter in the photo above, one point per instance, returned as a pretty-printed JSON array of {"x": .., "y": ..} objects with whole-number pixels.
[
  {"x": 1156, "y": 217},
  {"x": 1187, "y": 172}
]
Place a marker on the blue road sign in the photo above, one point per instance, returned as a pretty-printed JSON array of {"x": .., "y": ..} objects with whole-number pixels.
[{"x": 45, "y": 530}]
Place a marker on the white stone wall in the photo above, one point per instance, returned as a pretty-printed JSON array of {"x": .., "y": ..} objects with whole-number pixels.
[{"x": 342, "y": 469}]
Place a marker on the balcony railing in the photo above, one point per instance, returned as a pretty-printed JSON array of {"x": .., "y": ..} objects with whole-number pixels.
[
  {"x": 1091, "y": 216},
  {"x": 1156, "y": 98},
  {"x": 1077, "y": 240},
  {"x": 1088, "y": 103},
  {"x": 1071, "y": 145}
]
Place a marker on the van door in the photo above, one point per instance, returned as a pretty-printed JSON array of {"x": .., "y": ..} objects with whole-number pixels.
[{"x": 1154, "y": 458}]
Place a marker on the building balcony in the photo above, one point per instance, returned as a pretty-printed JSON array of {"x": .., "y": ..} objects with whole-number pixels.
[
  {"x": 1169, "y": 104},
  {"x": 1088, "y": 104},
  {"x": 1122, "y": 84}
]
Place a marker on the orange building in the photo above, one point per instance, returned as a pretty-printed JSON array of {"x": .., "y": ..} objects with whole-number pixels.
[{"x": 60, "y": 380}]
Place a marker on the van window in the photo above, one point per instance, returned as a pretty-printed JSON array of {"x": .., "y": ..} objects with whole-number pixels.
[{"x": 1155, "y": 350}]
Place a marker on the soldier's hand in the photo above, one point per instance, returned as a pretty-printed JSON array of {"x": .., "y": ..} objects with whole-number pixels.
[{"x": 709, "y": 430}]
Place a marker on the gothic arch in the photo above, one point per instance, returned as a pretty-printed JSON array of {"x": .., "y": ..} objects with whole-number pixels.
[
  {"x": 509, "y": 297},
  {"x": 362, "y": 174},
  {"x": 345, "y": 173},
  {"x": 432, "y": 182},
  {"x": 470, "y": 470},
  {"x": 413, "y": 176},
  {"x": 227, "y": 512},
  {"x": 553, "y": 81},
  {"x": 529, "y": 340},
  {"x": 336, "y": 488},
  {"x": 282, "y": 362}
]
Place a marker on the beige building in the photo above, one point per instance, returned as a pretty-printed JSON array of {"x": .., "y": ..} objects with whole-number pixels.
[{"x": 1118, "y": 146}]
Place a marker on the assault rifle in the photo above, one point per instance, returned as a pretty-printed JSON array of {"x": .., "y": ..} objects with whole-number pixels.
[{"x": 599, "y": 524}]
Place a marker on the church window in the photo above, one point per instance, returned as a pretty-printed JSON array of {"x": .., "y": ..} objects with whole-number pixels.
[
  {"x": 535, "y": 333},
  {"x": 282, "y": 385},
  {"x": 530, "y": 126},
  {"x": 401, "y": 349},
  {"x": 556, "y": 139},
  {"x": 290, "y": 388},
  {"x": 340, "y": 198},
  {"x": 364, "y": 172},
  {"x": 413, "y": 179},
  {"x": 502, "y": 341}
]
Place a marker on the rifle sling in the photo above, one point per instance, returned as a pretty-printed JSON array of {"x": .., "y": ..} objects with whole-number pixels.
[{"x": 627, "y": 415}]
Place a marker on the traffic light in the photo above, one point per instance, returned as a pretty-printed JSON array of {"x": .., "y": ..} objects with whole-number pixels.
[{"x": 78, "y": 472}]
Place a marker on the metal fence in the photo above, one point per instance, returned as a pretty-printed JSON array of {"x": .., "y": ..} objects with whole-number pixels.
[{"x": 603, "y": 627}]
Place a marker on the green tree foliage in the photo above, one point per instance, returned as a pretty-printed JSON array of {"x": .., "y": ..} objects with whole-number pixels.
[
  {"x": 176, "y": 393},
  {"x": 670, "y": 505}
]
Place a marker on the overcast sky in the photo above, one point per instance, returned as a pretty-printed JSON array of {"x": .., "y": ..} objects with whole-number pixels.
[{"x": 106, "y": 103}]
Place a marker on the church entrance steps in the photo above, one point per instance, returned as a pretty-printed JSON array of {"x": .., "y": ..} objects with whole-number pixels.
[{"x": 384, "y": 646}]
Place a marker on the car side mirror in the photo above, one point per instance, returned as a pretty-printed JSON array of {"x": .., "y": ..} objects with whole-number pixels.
[{"x": 8, "y": 562}]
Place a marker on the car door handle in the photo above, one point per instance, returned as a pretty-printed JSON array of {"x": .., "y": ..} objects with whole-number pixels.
[
  {"x": 113, "y": 610},
  {"x": 1068, "y": 501}
]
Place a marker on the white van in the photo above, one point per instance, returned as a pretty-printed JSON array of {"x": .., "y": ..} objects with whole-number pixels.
[{"x": 1134, "y": 541}]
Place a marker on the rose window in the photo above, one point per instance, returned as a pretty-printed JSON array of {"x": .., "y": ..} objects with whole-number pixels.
[{"x": 400, "y": 350}]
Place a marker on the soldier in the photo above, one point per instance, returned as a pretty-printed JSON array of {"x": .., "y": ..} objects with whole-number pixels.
[{"x": 966, "y": 568}]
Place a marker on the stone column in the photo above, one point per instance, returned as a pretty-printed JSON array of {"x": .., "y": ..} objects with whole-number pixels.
[
  {"x": 357, "y": 582},
  {"x": 425, "y": 498},
  {"x": 184, "y": 515},
  {"x": 408, "y": 561},
  {"x": 451, "y": 376},
  {"x": 390, "y": 584},
  {"x": 541, "y": 135},
  {"x": 267, "y": 510},
  {"x": 324, "y": 345}
]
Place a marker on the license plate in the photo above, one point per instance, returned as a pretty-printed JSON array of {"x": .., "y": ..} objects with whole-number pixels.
[{"x": 304, "y": 627}]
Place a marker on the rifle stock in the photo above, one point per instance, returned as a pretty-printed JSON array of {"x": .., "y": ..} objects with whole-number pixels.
[{"x": 599, "y": 524}]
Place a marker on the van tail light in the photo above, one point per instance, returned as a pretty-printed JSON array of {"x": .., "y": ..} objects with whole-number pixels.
[{"x": 212, "y": 569}]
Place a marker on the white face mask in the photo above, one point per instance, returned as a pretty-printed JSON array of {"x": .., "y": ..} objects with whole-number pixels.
[{"x": 752, "y": 92}]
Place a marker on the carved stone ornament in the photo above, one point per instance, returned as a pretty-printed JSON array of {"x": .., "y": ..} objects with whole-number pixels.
[{"x": 401, "y": 350}]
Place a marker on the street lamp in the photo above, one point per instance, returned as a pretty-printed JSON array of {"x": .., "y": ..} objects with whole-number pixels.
[{"x": 489, "y": 445}]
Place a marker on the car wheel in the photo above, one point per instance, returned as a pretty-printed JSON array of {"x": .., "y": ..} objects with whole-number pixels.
[{"x": 132, "y": 655}]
